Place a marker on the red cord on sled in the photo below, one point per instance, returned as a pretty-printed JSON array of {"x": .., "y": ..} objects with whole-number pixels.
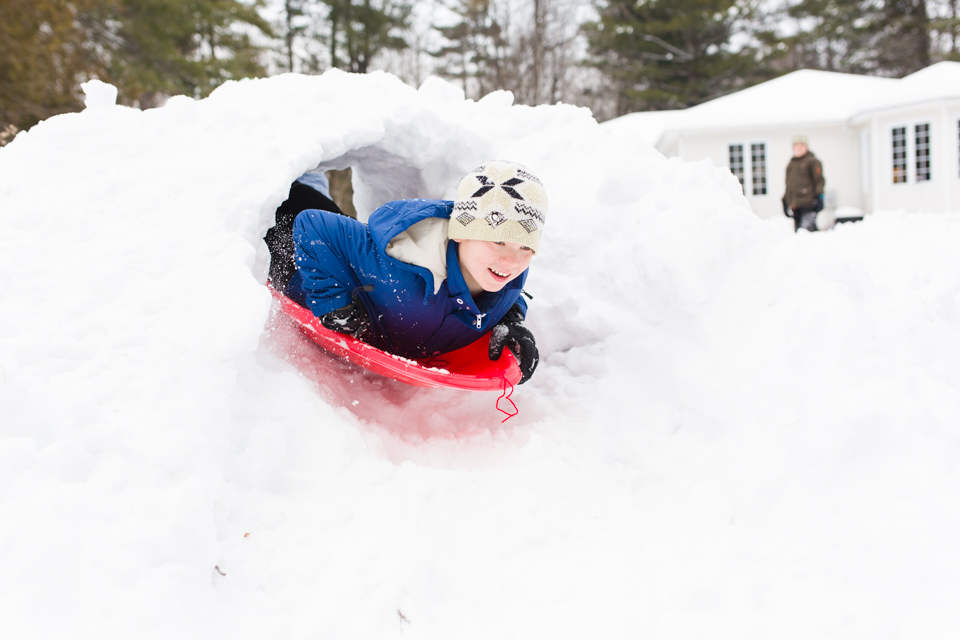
[{"x": 506, "y": 395}]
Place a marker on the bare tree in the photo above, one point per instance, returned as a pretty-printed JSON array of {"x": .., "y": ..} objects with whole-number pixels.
[
  {"x": 945, "y": 26},
  {"x": 528, "y": 49},
  {"x": 292, "y": 27}
]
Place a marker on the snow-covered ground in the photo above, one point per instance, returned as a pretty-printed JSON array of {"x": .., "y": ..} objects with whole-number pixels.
[{"x": 735, "y": 431}]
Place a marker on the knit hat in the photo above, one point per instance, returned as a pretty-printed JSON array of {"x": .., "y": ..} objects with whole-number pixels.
[
  {"x": 801, "y": 140},
  {"x": 499, "y": 201}
]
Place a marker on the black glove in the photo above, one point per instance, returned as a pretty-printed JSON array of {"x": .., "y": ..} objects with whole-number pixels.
[
  {"x": 351, "y": 320},
  {"x": 818, "y": 204},
  {"x": 510, "y": 332},
  {"x": 786, "y": 209}
]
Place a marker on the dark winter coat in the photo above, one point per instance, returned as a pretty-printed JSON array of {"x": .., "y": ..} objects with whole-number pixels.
[
  {"x": 411, "y": 314},
  {"x": 804, "y": 181}
]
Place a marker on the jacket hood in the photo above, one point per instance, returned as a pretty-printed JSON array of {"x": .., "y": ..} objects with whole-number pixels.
[
  {"x": 414, "y": 232},
  {"x": 395, "y": 217}
]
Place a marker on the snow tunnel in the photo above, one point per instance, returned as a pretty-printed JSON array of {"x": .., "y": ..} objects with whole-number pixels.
[{"x": 417, "y": 153}]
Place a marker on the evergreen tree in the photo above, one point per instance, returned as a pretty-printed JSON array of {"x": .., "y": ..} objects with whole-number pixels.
[
  {"x": 889, "y": 38},
  {"x": 43, "y": 57},
  {"x": 669, "y": 54},
  {"x": 474, "y": 49},
  {"x": 838, "y": 36},
  {"x": 147, "y": 48},
  {"x": 360, "y": 29},
  {"x": 293, "y": 26},
  {"x": 162, "y": 47},
  {"x": 903, "y": 42},
  {"x": 945, "y": 23}
]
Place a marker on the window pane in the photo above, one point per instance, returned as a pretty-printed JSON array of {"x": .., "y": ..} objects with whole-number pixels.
[
  {"x": 736, "y": 161},
  {"x": 899, "y": 154},
  {"x": 922, "y": 132},
  {"x": 758, "y": 167}
]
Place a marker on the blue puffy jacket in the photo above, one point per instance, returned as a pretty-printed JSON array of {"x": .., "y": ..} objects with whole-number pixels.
[{"x": 411, "y": 314}]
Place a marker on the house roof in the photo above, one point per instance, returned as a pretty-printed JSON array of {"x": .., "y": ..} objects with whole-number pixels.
[
  {"x": 802, "y": 97},
  {"x": 940, "y": 81},
  {"x": 649, "y": 126}
]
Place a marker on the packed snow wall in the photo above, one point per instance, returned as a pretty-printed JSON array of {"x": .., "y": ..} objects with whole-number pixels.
[{"x": 732, "y": 428}]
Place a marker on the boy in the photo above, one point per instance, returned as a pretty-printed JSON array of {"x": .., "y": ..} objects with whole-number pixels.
[{"x": 425, "y": 277}]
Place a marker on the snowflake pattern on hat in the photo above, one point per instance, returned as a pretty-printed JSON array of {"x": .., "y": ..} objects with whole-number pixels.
[
  {"x": 489, "y": 185},
  {"x": 511, "y": 201}
]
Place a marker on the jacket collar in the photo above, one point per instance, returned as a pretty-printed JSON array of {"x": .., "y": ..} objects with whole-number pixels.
[
  {"x": 473, "y": 311},
  {"x": 397, "y": 216},
  {"x": 456, "y": 283}
]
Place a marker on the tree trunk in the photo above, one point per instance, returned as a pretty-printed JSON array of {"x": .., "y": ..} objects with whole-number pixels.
[
  {"x": 288, "y": 37},
  {"x": 538, "y": 28}
]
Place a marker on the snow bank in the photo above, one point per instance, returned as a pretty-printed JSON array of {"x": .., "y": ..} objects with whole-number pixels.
[{"x": 734, "y": 432}]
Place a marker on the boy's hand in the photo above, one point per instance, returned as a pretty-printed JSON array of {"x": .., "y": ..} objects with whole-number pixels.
[
  {"x": 510, "y": 332},
  {"x": 818, "y": 203},
  {"x": 351, "y": 319}
]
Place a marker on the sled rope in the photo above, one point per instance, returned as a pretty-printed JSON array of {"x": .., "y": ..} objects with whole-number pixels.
[{"x": 506, "y": 395}]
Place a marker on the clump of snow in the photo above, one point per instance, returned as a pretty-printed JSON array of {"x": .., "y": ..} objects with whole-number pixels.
[
  {"x": 734, "y": 430},
  {"x": 848, "y": 212},
  {"x": 99, "y": 94}
]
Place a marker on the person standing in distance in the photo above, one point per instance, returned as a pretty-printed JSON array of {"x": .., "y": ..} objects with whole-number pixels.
[{"x": 803, "y": 199}]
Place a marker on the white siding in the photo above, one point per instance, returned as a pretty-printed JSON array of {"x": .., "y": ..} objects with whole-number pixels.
[
  {"x": 836, "y": 146},
  {"x": 866, "y": 170},
  {"x": 952, "y": 153},
  {"x": 942, "y": 191}
]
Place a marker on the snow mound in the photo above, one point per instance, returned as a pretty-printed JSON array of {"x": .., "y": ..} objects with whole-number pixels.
[{"x": 734, "y": 432}]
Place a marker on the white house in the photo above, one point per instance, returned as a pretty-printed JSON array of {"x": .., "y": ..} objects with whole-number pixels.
[{"x": 884, "y": 143}]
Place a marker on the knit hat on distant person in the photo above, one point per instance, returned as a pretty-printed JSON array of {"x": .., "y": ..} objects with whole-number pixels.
[
  {"x": 501, "y": 202},
  {"x": 801, "y": 140}
]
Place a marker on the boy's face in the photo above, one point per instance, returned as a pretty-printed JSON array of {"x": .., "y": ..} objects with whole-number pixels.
[{"x": 488, "y": 266}]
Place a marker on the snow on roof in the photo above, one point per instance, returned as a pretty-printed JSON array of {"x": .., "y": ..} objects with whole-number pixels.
[
  {"x": 646, "y": 125},
  {"x": 806, "y": 96},
  {"x": 937, "y": 82},
  {"x": 801, "y": 97}
]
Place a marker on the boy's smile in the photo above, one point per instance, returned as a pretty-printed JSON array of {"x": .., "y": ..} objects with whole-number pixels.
[{"x": 489, "y": 266}]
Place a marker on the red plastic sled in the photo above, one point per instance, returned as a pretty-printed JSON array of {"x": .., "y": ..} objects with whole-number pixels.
[{"x": 469, "y": 368}]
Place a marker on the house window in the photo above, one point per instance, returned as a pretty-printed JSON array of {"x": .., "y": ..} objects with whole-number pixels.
[
  {"x": 758, "y": 169},
  {"x": 753, "y": 173},
  {"x": 922, "y": 151},
  {"x": 736, "y": 161},
  {"x": 899, "y": 154}
]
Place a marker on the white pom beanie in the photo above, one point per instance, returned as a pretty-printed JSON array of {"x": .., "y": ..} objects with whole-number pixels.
[{"x": 499, "y": 201}]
